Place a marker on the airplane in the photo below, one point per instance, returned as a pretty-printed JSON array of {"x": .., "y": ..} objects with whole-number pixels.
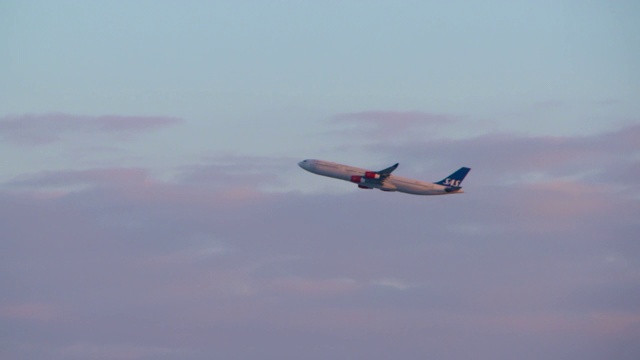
[{"x": 383, "y": 179}]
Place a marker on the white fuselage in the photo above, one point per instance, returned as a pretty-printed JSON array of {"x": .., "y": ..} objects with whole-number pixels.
[{"x": 391, "y": 183}]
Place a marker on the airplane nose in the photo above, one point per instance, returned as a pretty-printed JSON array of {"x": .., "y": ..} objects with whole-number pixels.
[{"x": 305, "y": 164}]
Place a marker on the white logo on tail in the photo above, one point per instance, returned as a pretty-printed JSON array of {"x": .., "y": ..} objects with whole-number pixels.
[{"x": 450, "y": 182}]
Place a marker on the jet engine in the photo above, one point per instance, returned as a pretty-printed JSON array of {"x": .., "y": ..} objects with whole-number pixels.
[
  {"x": 357, "y": 179},
  {"x": 371, "y": 175}
]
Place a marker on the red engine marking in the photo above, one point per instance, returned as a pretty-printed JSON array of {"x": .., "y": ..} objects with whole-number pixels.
[{"x": 371, "y": 175}]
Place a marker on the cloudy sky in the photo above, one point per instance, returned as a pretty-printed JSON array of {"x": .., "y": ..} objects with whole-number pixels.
[{"x": 151, "y": 206}]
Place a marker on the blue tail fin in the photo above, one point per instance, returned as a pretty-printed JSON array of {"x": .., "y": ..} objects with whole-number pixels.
[{"x": 456, "y": 178}]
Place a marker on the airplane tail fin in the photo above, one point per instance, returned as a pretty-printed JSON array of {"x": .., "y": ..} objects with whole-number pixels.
[{"x": 455, "y": 179}]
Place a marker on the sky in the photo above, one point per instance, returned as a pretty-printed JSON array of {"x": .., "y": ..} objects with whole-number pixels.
[{"x": 151, "y": 206}]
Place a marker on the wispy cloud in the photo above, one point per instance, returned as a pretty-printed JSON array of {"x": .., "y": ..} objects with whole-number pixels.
[
  {"x": 314, "y": 287},
  {"x": 30, "y": 311},
  {"x": 245, "y": 170},
  {"x": 388, "y": 124},
  {"x": 90, "y": 177},
  {"x": 392, "y": 283},
  {"x": 114, "y": 351},
  {"x": 38, "y": 129}
]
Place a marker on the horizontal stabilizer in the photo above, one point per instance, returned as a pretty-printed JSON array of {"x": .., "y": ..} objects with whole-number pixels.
[{"x": 452, "y": 189}]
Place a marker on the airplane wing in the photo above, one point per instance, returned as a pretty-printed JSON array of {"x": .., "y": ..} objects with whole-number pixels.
[
  {"x": 377, "y": 176},
  {"x": 384, "y": 173}
]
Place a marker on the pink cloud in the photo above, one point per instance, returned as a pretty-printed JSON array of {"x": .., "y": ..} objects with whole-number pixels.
[
  {"x": 615, "y": 324},
  {"x": 568, "y": 199},
  {"x": 597, "y": 324},
  {"x": 201, "y": 185},
  {"x": 30, "y": 311},
  {"x": 114, "y": 351},
  {"x": 126, "y": 248},
  {"x": 37, "y": 129},
  {"x": 92, "y": 177}
]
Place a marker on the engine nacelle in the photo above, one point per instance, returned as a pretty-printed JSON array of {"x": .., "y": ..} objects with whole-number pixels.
[
  {"x": 371, "y": 175},
  {"x": 357, "y": 179},
  {"x": 364, "y": 187}
]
